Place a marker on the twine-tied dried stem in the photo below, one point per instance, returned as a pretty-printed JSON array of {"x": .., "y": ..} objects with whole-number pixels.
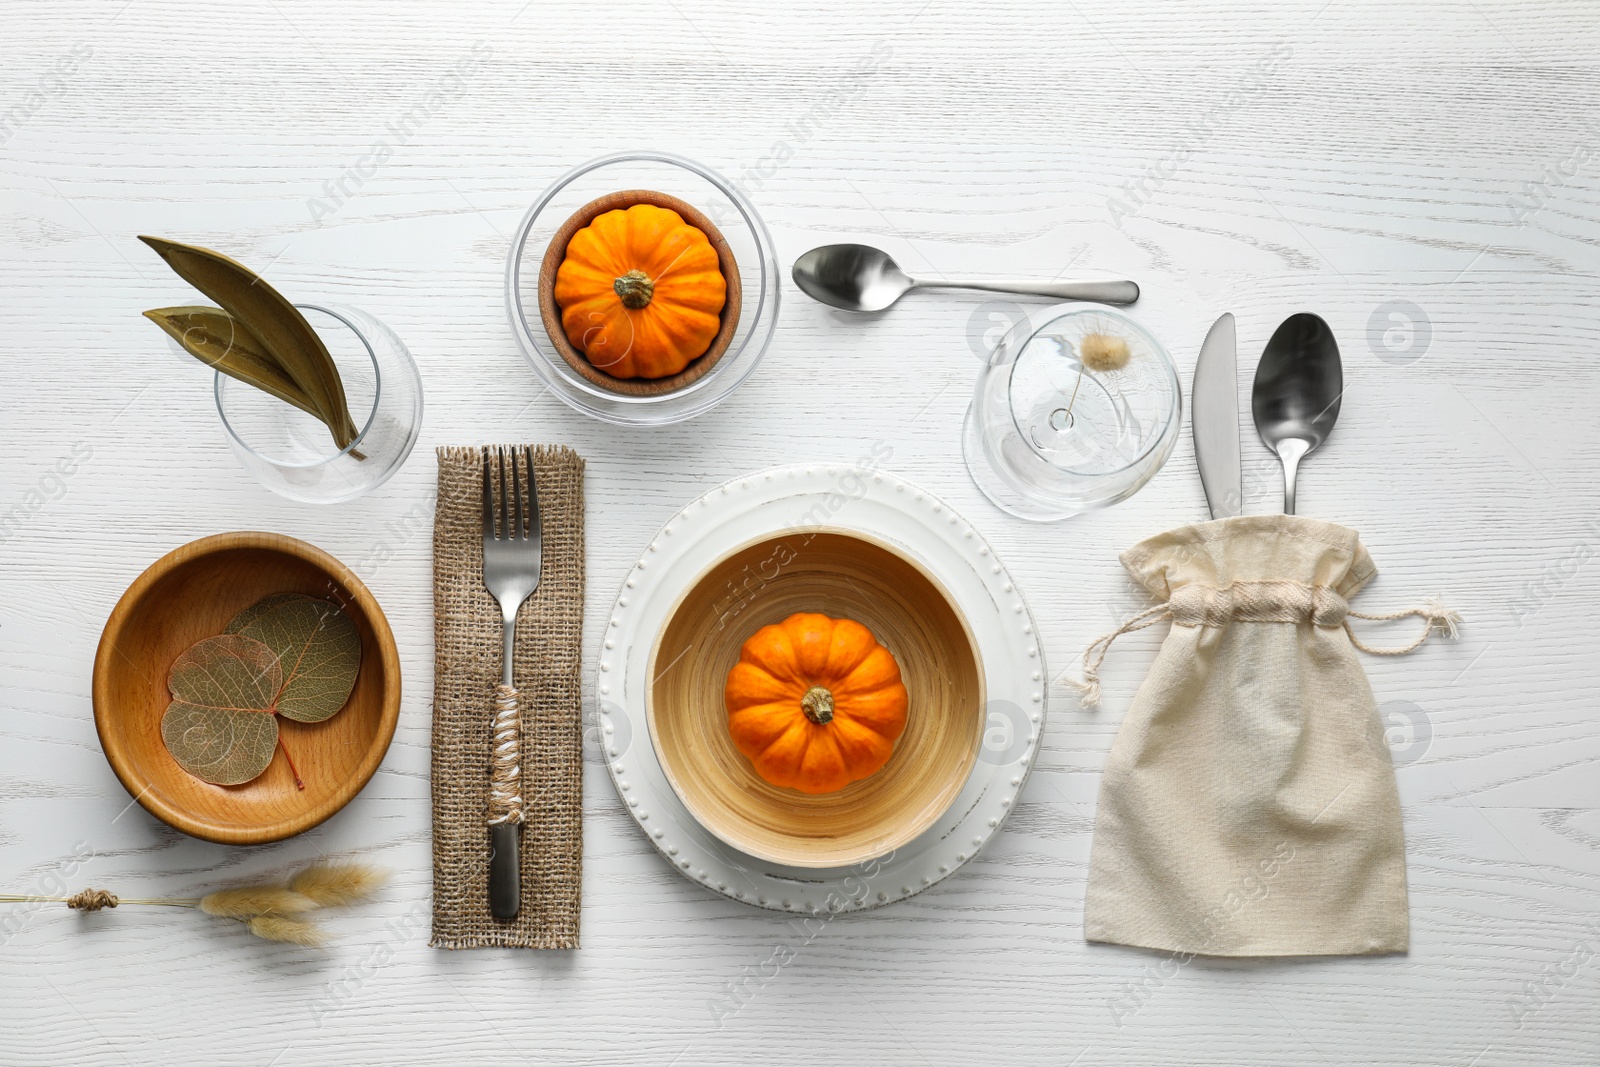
[
  {"x": 270, "y": 912},
  {"x": 92, "y": 900}
]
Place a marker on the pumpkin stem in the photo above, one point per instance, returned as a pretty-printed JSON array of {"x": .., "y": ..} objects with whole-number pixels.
[
  {"x": 818, "y": 705},
  {"x": 635, "y": 288}
]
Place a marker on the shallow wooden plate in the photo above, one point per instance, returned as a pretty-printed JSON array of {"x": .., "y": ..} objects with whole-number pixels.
[
  {"x": 190, "y": 594},
  {"x": 550, "y": 311},
  {"x": 845, "y": 575}
]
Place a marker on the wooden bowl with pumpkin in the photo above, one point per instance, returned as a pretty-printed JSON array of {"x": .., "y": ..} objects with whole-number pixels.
[
  {"x": 640, "y": 293},
  {"x": 191, "y": 594},
  {"x": 817, "y": 699}
]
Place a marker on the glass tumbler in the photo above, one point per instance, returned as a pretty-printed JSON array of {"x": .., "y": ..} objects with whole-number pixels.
[
  {"x": 1077, "y": 408},
  {"x": 293, "y": 453}
]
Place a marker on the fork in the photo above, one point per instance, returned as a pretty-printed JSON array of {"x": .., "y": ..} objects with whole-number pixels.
[{"x": 512, "y": 559}]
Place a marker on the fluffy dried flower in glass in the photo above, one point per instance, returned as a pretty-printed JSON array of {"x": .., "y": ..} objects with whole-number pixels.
[
  {"x": 1099, "y": 352},
  {"x": 1103, "y": 352},
  {"x": 268, "y": 911}
]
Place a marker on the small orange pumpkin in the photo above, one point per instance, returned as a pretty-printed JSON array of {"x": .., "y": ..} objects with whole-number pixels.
[
  {"x": 640, "y": 292},
  {"x": 815, "y": 703}
]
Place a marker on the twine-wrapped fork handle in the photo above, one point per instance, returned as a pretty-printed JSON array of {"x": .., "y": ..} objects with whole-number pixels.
[
  {"x": 512, "y": 557},
  {"x": 505, "y": 768},
  {"x": 505, "y": 805}
]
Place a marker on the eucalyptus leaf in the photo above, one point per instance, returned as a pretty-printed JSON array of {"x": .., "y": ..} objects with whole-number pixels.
[
  {"x": 221, "y": 341},
  {"x": 318, "y": 649},
  {"x": 259, "y": 608},
  {"x": 283, "y": 332},
  {"x": 287, "y": 654},
  {"x": 220, "y": 726}
]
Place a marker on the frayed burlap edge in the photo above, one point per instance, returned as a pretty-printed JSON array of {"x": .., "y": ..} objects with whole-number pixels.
[{"x": 466, "y": 670}]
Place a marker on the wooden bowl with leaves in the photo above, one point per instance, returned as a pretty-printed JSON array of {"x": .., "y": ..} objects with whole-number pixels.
[
  {"x": 844, "y": 575},
  {"x": 550, "y": 311},
  {"x": 192, "y": 594}
]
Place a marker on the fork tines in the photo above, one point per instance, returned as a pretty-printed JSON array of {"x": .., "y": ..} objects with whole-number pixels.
[{"x": 505, "y": 517}]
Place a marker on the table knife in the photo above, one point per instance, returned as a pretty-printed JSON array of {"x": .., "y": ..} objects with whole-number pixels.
[{"x": 1215, "y": 403}]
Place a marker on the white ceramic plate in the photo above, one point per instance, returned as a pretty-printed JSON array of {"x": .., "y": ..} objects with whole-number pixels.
[{"x": 849, "y": 498}]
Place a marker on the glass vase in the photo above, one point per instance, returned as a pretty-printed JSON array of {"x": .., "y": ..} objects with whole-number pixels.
[{"x": 293, "y": 453}]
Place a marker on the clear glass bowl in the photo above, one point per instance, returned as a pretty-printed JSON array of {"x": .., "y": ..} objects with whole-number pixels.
[
  {"x": 729, "y": 210},
  {"x": 1048, "y": 437},
  {"x": 292, "y": 453}
]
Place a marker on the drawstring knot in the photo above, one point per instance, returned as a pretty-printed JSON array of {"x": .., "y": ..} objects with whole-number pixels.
[
  {"x": 1438, "y": 617},
  {"x": 1095, "y": 654}
]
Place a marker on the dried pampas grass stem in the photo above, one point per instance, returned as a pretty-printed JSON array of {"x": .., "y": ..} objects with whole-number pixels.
[
  {"x": 94, "y": 900},
  {"x": 249, "y": 901},
  {"x": 294, "y": 931},
  {"x": 267, "y": 911},
  {"x": 335, "y": 885},
  {"x": 1103, "y": 352}
]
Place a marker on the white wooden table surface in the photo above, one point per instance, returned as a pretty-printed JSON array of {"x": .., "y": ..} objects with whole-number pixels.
[{"x": 1423, "y": 175}]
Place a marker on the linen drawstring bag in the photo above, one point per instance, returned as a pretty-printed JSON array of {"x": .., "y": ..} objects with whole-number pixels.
[{"x": 1248, "y": 806}]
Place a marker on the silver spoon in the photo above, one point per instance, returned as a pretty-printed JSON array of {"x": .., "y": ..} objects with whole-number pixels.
[
  {"x": 863, "y": 278},
  {"x": 1299, "y": 382}
]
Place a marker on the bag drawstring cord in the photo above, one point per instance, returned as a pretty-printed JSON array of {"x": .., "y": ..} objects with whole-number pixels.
[
  {"x": 1095, "y": 654},
  {"x": 1438, "y": 617}
]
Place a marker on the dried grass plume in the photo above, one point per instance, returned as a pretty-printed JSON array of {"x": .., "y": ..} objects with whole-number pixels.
[
  {"x": 335, "y": 885},
  {"x": 294, "y": 931},
  {"x": 250, "y": 901},
  {"x": 268, "y": 911},
  {"x": 1101, "y": 352}
]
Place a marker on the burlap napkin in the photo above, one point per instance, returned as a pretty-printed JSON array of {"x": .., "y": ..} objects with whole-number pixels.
[{"x": 466, "y": 668}]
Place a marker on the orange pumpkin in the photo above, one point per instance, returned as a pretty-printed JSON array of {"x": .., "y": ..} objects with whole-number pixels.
[
  {"x": 640, "y": 292},
  {"x": 815, "y": 703}
]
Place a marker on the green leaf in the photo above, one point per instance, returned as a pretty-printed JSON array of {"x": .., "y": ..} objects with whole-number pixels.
[
  {"x": 284, "y": 333},
  {"x": 318, "y": 649},
  {"x": 222, "y": 342},
  {"x": 219, "y": 726}
]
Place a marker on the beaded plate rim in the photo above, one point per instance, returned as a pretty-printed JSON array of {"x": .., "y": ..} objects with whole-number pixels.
[{"x": 915, "y": 521}]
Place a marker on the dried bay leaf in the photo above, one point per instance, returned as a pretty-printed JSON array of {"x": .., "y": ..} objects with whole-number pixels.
[
  {"x": 222, "y": 342},
  {"x": 283, "y": 332},
  {"x": 205, "y": 331},
  {"x": 219, "y": 726},
  {"x": 319, "y": 651}
]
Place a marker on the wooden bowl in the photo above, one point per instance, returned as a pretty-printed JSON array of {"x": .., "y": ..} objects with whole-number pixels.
[
  {"x": 550, "y": 311},
  {"x": 190, "y": 594},
  {"x": 845, "y": 575}
]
